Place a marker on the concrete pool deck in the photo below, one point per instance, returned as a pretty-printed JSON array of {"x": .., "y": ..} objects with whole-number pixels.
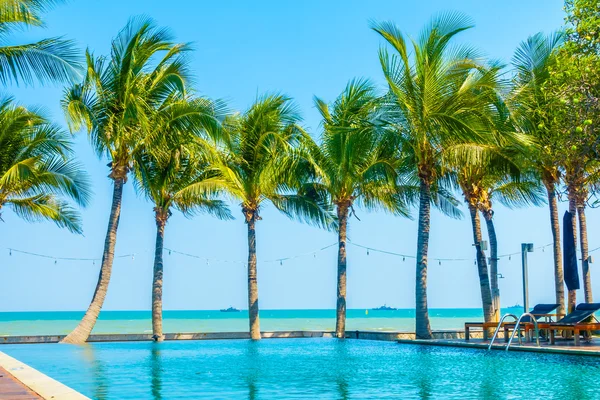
[
  {"x": 21, "y": 382},
  {"x": 562, "y": 346}
]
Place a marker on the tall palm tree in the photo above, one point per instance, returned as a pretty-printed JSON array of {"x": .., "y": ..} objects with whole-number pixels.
[
  {"x": 356, "y": 163},
  {"x": 176, "y": 172},
  {"x": 494, "y": 169},
  {"x": 53, "y": 59},
  {"x": 258, "y": 147},
  {"x": 114, "y": 104},
  {"x": 37, "y": 170},
  {"x": 496, "y": 177},
  {"x": 529, "y": 101},
  {"x": 436, "y": 95}
]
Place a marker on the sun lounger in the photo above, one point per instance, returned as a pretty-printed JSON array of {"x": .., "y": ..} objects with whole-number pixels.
[
  {"x": 574, "y": 322},
  {"x": 539, "y": 311}
]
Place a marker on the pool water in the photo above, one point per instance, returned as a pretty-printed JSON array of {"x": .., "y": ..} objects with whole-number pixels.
[{"x": 308, "y": 368}]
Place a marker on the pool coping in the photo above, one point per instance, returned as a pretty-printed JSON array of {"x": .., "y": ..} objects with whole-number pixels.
[
  {"x": 569, "y": 350},
  {"x": 39, "y": 383},
  {"x": 125, "y": 337}
]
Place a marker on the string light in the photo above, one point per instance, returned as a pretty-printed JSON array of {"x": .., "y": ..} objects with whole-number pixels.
[
  {"x": 29, "y": 253},
  {"x": 280, "y": 260}
]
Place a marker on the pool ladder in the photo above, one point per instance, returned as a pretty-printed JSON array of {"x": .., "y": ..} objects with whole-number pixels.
[{"x": 535, "y": 325}]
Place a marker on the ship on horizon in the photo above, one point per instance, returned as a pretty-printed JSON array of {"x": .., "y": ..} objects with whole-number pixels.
[
  {"x": 230, "y": 309},
  {"x": 384, "y": 308}
]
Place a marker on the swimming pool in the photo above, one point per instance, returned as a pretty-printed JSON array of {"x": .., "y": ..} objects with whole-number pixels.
[{"x": 307, "y": 368}]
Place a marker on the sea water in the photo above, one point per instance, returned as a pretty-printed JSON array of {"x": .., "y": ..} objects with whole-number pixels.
[{"x": 62, "y": 322}]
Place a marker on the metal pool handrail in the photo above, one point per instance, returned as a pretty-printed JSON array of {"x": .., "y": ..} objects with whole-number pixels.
[
  {"x": 498, "y": 327},
  {"x": 535, "y": 325}
]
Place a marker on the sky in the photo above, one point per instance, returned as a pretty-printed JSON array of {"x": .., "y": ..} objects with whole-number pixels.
[{"x": 243, "y": 49}]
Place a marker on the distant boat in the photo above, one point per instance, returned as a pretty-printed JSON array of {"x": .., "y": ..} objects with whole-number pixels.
[
  {"x": 516, "y": 306},
  {"x": 230, "y": 309},
  {"x": 384, "y": 308}
]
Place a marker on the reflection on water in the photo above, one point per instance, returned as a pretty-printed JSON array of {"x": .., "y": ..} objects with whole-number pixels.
[
  {"x": 342, "y": 386},
  {"x": 489, "y": 380},
  {"x": 98, "y": 370},
  {"x": 252, "y": 368},
  {"x": 155, "y": 371},
  {"x": 307, "y": 368},
  {"x": 343, "y": 372},
  {"x": 423, "y": 377}
]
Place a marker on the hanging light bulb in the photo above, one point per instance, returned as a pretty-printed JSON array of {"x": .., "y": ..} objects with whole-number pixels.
[
  {"x": 132, "y": 257},
  {"x": 509, "y": 258},
  {"x": 280, "y": 262},
  {"x": 403, "y": 258},
  {"x": 93, "y": 262},
  {"x": 10, "y": 252},
  {"x": 55, "y": 262},
  {"x": 169, "y": 252},
  {"x": 367, "y": 251},
  {"x": 207, "y": 263},
  {"x": 440, "y": 262}
]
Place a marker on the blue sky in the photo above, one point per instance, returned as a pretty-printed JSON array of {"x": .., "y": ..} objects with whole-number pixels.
[{"x": 302, "y": 49}]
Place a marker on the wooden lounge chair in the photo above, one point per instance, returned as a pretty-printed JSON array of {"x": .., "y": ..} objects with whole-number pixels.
[
  {"x": 539, "y": 311},
  {"x": 574, "y": 322}
]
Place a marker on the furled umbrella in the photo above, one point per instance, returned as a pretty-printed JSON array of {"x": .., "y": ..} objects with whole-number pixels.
[{"x": 570, "y": 254}]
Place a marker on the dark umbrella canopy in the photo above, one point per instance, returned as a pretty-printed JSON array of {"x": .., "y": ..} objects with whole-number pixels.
[{"x": 569, "y": 253}]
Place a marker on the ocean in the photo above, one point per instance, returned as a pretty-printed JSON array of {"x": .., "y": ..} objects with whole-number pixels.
[{"x": 62, "y": 322}]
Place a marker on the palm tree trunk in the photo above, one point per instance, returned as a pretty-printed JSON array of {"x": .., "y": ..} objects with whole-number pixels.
[
  {"x": 157, "y": 280},
  {"x": 489, "y": 221},
  {"x": 585, "y": 266},
  {"x": 252, "y": 277},
  {"x": 559, "y": 284},
  {"x": 572, "y": 296},
  {"x": 484, "y": 279},
  {"x": 81, "y": 333},
  {"x": 340, "y": 321},
  {"x": 422, "y": 325}
]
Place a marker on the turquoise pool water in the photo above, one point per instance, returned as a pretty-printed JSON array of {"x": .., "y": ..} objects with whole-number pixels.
[{"x": 308, "y": 368}]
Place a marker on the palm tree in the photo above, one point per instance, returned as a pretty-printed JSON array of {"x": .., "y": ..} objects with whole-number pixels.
[
  {"x": 114, "y": 104},
  {"x": 37, "y": 170},
  {"x": 53, "y": 59},
  {"x": 494, "y": 169},
  {"x": 355, "y": 164},
  {"x": 533, "y": 61},
  {"x": 435, "y": 98},
  {"x": 176, "y": 173},
  {"x": 258, "y": 146},
  {"x": 495, "y": 177}
]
